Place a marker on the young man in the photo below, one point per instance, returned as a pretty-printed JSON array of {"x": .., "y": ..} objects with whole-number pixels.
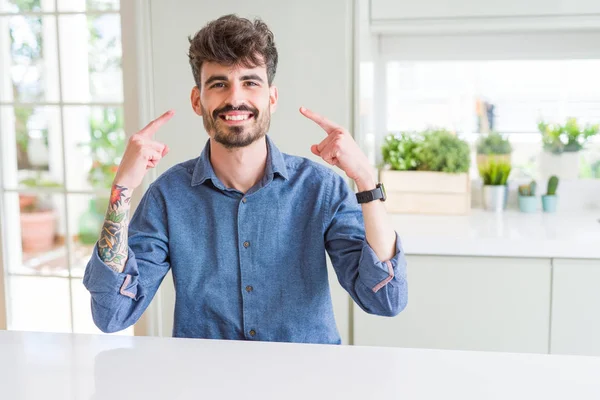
[{"x": 245, "y": 228}]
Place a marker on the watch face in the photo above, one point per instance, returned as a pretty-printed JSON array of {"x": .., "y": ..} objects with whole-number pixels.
[{"x": 380, "y": 185}]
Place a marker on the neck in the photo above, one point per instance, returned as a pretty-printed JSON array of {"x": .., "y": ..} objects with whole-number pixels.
[{"x": 239, "y": 168}]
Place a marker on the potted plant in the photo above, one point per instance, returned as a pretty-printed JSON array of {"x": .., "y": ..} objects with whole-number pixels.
[
  {"x": 561, "y": 146},
  {"x": 38, "y": 217},
  {"x": 493, "y": 146},
  {"x": 426, "y": 172},
  {"x": 495, "y": 191},
  {"x": 527, "y": 199},
  {"x": 550, "y": 199}
]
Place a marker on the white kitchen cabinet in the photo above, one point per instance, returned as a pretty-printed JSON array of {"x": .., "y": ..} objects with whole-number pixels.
[
  {"x": 467, "y": 303},
  {"x": 436, "y": 9},
  {"x": 576, "y": 307}
]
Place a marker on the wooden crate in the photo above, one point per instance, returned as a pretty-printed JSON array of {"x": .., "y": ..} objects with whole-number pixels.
[{"x": 423, "y": 192}]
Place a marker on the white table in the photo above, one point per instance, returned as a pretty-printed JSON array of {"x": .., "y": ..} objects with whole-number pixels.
[{"x": 62, "y": 366}]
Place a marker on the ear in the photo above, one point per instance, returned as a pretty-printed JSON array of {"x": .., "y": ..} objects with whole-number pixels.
[
  {"x": 195, "y": 99},
  {"x": 273, "y": 95}
]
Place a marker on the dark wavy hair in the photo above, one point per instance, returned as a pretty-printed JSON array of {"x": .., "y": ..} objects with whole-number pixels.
[{"x": 234, "y": 41}]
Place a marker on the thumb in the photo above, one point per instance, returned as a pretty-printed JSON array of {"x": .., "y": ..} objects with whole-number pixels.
[
  {"x": 315, "y": 150},
  {"x": 165, "y": 151}
]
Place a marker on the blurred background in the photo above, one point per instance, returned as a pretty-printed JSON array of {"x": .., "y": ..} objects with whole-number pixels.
[{"x": 481, "y": 118}]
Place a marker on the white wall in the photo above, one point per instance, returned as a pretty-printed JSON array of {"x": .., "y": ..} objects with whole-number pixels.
[{"x": 314, "y": 39}]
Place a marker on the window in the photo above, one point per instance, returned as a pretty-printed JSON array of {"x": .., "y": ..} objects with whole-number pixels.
[
  {"x": 518, "y": 93},
  {"x": 61, "y": 122}
]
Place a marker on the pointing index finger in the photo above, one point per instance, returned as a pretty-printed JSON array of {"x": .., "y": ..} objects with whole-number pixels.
[
  {"x": 150, "y": 129},
  {"x": 323, "y": 122}
]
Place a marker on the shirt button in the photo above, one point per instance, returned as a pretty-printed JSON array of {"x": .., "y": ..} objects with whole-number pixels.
[
  {"x": 249, "y": 288},
  {"x": 246, "y": 244},
  {"x": 252, "y": 332},
  {"x": 244, "y": 200}
]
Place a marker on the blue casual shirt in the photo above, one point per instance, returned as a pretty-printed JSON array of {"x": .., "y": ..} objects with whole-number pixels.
[{"x": 248, "y": 266}]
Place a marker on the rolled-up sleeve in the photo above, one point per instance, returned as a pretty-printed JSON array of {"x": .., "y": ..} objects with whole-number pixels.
[
  {"x": 119, "y": 299},
  {"x": 377, "y": 286}
]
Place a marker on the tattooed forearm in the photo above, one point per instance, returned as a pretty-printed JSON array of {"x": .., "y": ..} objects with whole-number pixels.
[{"x": 112, "y": 246}]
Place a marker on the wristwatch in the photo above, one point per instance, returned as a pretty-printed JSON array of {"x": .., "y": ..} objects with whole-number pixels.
[{"x": 369, "y": 195}]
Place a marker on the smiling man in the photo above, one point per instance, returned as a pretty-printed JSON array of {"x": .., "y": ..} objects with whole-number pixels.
[{"x": 244, "y": 228}]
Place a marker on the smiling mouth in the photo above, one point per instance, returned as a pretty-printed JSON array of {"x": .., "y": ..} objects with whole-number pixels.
[{"x": 236, "y": 118}]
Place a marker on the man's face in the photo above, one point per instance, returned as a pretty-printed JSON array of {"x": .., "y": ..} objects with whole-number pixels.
[{"x": 235, "y": 103}]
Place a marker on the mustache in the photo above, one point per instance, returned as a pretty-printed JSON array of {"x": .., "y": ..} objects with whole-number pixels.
[{"x": 229, "y": 107}]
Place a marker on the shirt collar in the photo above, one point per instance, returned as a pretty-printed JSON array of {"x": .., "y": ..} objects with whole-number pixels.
[{"x": 204, "y": 170}]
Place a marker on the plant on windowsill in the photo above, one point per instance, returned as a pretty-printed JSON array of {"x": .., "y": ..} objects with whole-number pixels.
[
  {"x": 550, "y": 199},
  {"x": 493, "y": 146},
  {"x": 38, "y": 216},
  {"x": 561, "y": 146},
  {"x": 527, "y": 199},
  {"x": 495, "y": 190},
  {"x": 426, "y": 172}
]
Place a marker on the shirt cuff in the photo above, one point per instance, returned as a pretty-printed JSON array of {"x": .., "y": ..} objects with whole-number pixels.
[
  {"x": 100, "y": 279},
  {"x": 376, "y": 274}
]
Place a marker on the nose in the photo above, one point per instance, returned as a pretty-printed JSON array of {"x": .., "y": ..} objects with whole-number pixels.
[{"x": 236, "y": 95}]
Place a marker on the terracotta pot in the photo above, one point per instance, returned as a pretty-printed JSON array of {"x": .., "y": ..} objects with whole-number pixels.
[
  {"x": 38, "y": 230},
  {"x": 26, "y": 200}
]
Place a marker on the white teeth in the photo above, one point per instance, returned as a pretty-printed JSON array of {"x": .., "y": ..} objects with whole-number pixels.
[{"x": 237, "y": 117}]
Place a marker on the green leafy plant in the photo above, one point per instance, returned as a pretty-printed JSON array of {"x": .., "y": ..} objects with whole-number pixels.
[
  {"x": 528, "y": 190},
  {"x": 495, "y": 173},
  {"x": 552, "y": 185},
  {"x": 399, "y": 151},
  {"x": 431, "y": 150},
  {"x": 569, "y": 137},
  {"x": 106, "y": 146},
  {"x": 443, "y": 151},
  {"x": 493, "y": 143}
]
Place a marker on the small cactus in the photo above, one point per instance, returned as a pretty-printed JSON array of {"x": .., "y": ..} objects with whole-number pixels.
[
  {"x": 528, "y": 190},
  {"x": 552, "y": 185}
]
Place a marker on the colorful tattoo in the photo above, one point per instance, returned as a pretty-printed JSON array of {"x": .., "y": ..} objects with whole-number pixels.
[{"x": 112, "y": 246}]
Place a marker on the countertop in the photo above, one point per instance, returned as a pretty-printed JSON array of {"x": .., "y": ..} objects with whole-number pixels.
[
  {"x": 66, "y": 366},
  {"x": 509, "y": 234}
]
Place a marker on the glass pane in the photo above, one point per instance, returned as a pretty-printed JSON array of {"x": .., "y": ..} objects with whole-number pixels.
[
  {"x": 32, "y": 147},
  {"x": 91, "y": 58},
  {"x": 18, "y": 6},
  {"x": 82, "y": 312},
  {"x": 31, "y": 60},
  {"x": 86, "y": 5},
  {"x": 36, "y": 243},
  {"x": 509, "y": 96},
  {"x": 86, "y": 214},
  {"x": 38, "y": 304},
  {"x": 95, "y": 142}
]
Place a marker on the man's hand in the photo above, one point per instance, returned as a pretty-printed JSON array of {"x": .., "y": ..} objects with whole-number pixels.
[
  {"x": 141, "y": 154},
  {"x": 340, "y": 149}
]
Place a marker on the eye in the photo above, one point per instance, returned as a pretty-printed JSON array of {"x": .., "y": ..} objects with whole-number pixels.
[
  {"x": 251, "y": 83},
  {"x": 218, "y": 85}
]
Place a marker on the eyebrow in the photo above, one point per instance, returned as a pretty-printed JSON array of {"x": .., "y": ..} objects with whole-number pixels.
[{"x": 224, "y": 78}]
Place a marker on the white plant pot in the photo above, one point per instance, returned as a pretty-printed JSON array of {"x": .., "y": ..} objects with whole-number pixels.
[
  {"x": 495, "y": 197},
  {"x": 565, "y": 166}
]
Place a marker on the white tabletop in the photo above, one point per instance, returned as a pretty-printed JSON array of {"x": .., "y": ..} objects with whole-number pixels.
[
  {"x": 509, "y": 234},
  {"x": 63, "y": 366}
]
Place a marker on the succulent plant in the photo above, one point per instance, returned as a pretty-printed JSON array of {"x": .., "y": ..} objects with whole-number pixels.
[
  {"x": 552, "y": 185},
  {"x": 528, "y": 190}
]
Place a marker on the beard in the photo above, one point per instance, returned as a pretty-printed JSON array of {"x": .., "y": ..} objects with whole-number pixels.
[{"x": 232, "y": 137}]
